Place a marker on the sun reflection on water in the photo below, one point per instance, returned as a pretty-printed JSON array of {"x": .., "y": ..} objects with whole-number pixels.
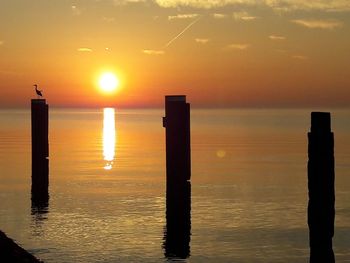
[{"x": 109, "y": 137}]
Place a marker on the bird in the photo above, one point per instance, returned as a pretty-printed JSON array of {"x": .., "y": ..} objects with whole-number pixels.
[{"x": 38, "y": 92}]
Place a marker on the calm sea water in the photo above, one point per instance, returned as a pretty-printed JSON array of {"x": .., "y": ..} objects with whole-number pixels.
[{"x": 107, "y": 186}]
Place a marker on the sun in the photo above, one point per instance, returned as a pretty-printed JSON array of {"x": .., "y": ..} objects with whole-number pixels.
[{"x": 108, "y": 82}]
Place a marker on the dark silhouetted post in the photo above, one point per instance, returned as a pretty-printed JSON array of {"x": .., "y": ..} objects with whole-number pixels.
[
  {"x": 177, "y": 233},
  {"x": 321, "y": 211},
  {"x": 40, "y": 152},
  {"x": 178, "y": 148},
  {"x": 178, "y": 173}
]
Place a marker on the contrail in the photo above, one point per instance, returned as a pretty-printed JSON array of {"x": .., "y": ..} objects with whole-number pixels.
[{"x": 183, "y": 31}]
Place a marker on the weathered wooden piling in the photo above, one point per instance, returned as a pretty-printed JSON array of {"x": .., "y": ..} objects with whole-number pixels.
[
  {"x": 40, "y": 151},
  {"x": 178, "y": 149},
  {"x": 178, "y": 173},
  {"x": 321, "y": 175}
]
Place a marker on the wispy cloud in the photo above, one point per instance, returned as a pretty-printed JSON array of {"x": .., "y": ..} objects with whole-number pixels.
[
  {"x": 281, "y": 50},
  {"x": 124, "y": 2},
  {"x": 202, "y": 40},
  {"x": 84, "y": 49},
  {"x": 219, "y": 16},
  {"x": 9, "y": 73},
  {"x": 153, "y": 52},
  {"x": 317, "y": 5},
  {"x": 183, "y": 16},
  {"x": 75, "y": 10},
  {"x": 108, "y": 19},
  {"x": 1, "y": 42},
  {"x": 274, "y": 37},
  {"x": 243, "y": 15},
  {"x": 276, "y": 5},
  {"x": 321, "y": 24},
  {"x": 190, "y": 3},
  {"x": 238, "y": 46},
  {"x": 300, "y": 57}
]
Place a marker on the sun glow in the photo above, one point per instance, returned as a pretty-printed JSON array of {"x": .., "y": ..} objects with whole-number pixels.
[{"x": 108, "y": 82}]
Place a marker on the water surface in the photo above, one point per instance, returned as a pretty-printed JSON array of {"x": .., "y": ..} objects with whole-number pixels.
[{"x": 107, "y": 186}]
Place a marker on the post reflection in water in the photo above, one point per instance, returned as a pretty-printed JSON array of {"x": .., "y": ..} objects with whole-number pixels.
[
  {"x": 109, "y": 137},
  {"x": 40, "y": 209},
  {"x": 177, "y": 234},
  {"x": 40, "y": 193}
]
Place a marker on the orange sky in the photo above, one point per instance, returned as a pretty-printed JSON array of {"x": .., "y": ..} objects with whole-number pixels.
[{"x": 227, "y": 53}]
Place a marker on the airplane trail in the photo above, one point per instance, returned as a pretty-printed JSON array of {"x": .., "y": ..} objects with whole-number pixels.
[{"x": 183, "y": 31}]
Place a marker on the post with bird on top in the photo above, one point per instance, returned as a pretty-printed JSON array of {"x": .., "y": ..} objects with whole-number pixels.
[
  {"x": 178, "y": 174},
  {"x": 40, "y": 149},
  {"x": 321, "y": 175}
]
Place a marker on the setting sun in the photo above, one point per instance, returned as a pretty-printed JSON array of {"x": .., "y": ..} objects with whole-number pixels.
[{"x": 108, "y": 82}]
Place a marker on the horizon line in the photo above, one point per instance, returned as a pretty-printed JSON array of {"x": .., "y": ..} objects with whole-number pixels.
[{"x": 255, "y": 107}]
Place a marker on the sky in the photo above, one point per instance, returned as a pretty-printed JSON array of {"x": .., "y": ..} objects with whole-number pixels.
[{"x": 220, "y": 53}]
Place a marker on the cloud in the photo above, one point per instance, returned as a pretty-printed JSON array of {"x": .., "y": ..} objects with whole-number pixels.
[
  {"x": 75, "y": 10},
  {"x": 9, "y": 73},
  {"x": 318, "y": 5},
  {"x": 321, "y": 24},
  {"x": 153, "y": 52},
  {"x": 84, "y": 49},
  {"x": 1, "y": 42},
  {"x": 124, "y": 2},
  {"x": 300, "y": 57},
  {"x": 219, "y": 16},
  {"x": 276, "y": 5},
  {"x": 274, "y": 37},
  {"x": 205, "y": 4},
  {"x": 108, "y": 19},
  {"x": 238, "y": 46},
  {"x": 202, "y": 40},
  {"x": 183, "y": 16},
  {"x": 243, "y": 16}
]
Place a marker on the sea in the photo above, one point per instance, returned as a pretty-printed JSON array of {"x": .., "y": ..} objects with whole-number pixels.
[{"x": 107, "y": 190}]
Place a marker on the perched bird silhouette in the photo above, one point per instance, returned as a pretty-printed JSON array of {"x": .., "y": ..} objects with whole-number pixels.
[{"x": 38, "y": 92}]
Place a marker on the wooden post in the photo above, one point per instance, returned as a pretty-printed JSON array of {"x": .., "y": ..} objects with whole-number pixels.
[
  {"x": 321, "y": 210},
  {"x": 178, "y": 149},
  {"x": 178, "y": 173},
  {"x": 40, "y": 151}
]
